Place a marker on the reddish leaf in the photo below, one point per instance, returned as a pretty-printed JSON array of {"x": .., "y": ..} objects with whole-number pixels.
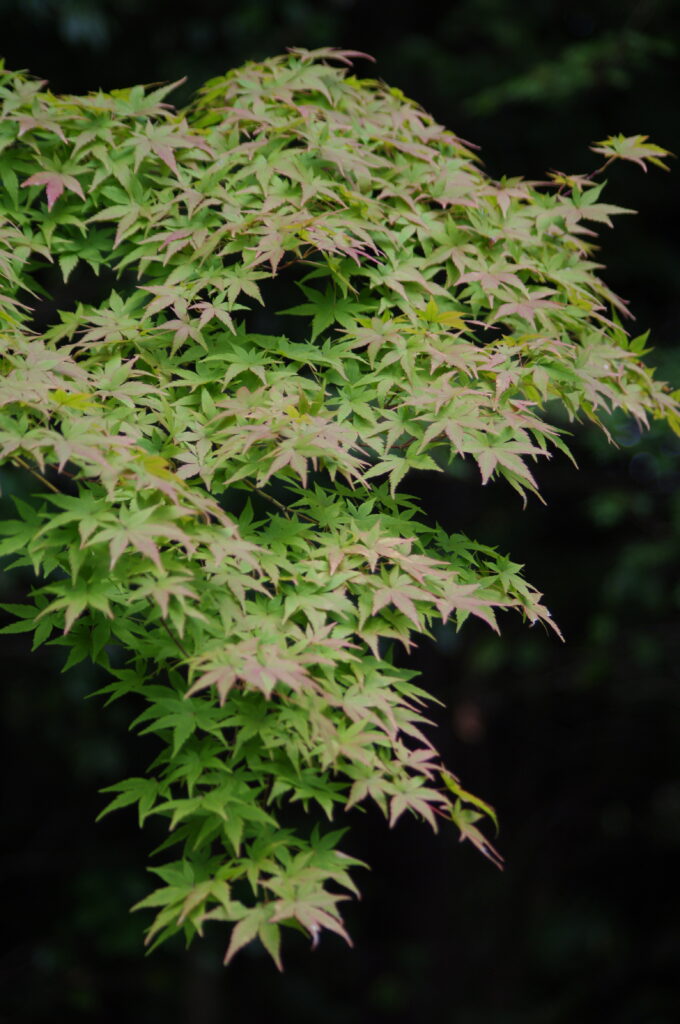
[{"x": 54, "y": 183}]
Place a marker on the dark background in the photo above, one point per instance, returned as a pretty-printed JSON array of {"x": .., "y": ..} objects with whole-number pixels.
[{"x": 575, "y": 745}]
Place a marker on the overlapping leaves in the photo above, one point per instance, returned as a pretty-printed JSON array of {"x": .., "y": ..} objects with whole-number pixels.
[{"x": 317, "y": 291}]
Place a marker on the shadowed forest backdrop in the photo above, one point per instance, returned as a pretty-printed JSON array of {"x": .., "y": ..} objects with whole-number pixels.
[{"x": 575, "y": 745}]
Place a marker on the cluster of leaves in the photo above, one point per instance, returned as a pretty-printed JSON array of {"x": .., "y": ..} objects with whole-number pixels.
[{"x": 219, "y": 521}]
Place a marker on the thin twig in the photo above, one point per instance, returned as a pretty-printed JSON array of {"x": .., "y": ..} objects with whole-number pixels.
[
  {"x": 599, "y": 170},
  {"x": 175, "y": 639},
  {"x": 279, "y": 504},
  {"x": 34, "y": 472}
]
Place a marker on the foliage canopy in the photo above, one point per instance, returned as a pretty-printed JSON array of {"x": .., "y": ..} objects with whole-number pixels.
[{"x": 311, "y": 289}]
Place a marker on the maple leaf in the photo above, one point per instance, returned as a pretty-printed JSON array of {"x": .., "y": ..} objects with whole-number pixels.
[
  {"x": 402, "y": 596},
  {"x": 257, "y": 923},
  {"x": 314, "y": 909},
  {"x": 635, "y": 148},
  {"x": 417, "y": 798},
  {"x": 326, "y": 309},
  {"x": 163, "y": 140},
  {"x": 373, "y": 786},
  {"x": 54, "y": 183},
  {"x": 464, "y": 818},
  {"x": 527, "y": 308},
  {"x": 490, "y": 279},
  {"x": 29, "y": 122}
]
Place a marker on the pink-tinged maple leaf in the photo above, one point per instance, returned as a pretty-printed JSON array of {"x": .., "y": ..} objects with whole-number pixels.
[
  {"x": 634, "y": 148},
  {"x": 504, "y": 192},
  {"x": 461, "y": 597},
  {"x": 171, "y": 586},
  {"x": 162, "y": 140},
  {"x": 419, "y": 799},
  {"x": 491, "y": 279},
  {"x": 330, "y": 53},
  {"x": 402, "y": 597},
  {"x": 373, "y": 787},
  {"x": 166, "y": 240},
  {"x": 255, "y": 923},
  {"x": 27, "y": 123},
  {"x": 464, "y": 818},
  {"x": 527, "y": 308},
  {"x": 54, "y": 183},
  {"x": 141, "y": 537},
  {"x": 222, "y": 677},
  {"x": 314, "y": 909},
  {"x": 209, "y": 311},
  {"x": 164, "y": 295}
]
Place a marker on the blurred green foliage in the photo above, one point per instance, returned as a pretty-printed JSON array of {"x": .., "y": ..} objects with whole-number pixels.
[{"x": 577, "y": 745}]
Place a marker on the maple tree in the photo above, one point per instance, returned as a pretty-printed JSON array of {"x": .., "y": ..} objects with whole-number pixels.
[{"x": 315, "y": 290}]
